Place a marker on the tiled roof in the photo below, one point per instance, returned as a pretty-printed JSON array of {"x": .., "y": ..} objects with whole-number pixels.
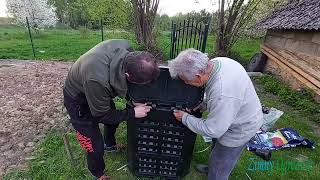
[{"x": 300, "y": 14}]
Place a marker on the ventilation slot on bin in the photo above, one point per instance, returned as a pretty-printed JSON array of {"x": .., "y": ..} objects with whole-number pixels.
[
  {"x": 147, "y": 165},
  {"x": 169, "y": 168},
  {"x": 148, "y": 130}
]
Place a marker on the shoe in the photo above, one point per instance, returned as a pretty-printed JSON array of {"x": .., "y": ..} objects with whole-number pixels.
[
  {"x": 202, "y": 168},
  {"x": 103, "y": 177},
  {"x": 114, "y": 148}
]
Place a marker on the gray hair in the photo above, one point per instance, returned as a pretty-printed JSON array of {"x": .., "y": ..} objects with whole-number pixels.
[{"x": 188, "y": 63}]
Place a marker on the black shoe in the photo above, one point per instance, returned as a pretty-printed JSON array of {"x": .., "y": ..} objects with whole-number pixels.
[
  {"x": 264, "y": 154},
  {"x": 202, "y": 168},
  {"x": 104, "y": 177},
  {"x": 114, "y": 148}
]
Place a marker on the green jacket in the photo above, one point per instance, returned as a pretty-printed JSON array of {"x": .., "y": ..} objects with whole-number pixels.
[{"x": 99, "y": 75}]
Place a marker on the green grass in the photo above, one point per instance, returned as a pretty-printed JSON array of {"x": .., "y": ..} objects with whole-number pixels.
[
  {"x": 68, "y": 44},
  {"x": 56, "y": 44},
  {"x": 302, "y": 101},
  {"x": 244, "y": 49},
  {"x": 51, "y": 162}
]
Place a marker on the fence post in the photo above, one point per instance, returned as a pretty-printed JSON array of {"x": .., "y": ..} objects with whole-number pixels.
[
  {"x": 101, "y": 27},
  {"x": 173, "y": 40},
  {"x": 204, "y": 43},
  {"x": 30, "y": 36}
]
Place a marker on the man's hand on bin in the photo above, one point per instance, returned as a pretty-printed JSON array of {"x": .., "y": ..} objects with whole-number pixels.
[
  {"x": 141, "y": 110},
  {"x": 201, "y": 108},
  {"x": 137, "y": 104},
  {"x": 178, "y": 114}
]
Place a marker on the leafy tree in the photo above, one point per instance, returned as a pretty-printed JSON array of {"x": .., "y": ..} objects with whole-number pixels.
[
  {"x": 61, "y": 7},
  {"x": 163, "y": 22},
  {"x": 114, "y": 13},
  {"x": 71, "y": 12},
  {"x": 79, "y": 15},
  {"x": 202, "y": 16}
]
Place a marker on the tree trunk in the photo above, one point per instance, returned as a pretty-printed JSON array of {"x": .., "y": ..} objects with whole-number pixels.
[
  {"x": 144, "y": 12},
  {"x": 230, "y": 22},
  {"x": 220, "y": 44}
]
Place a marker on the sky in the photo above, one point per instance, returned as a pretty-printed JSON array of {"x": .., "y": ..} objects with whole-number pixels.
[
  {"x": 170, "y": 7},
  {"x": 3, "y": 8}
]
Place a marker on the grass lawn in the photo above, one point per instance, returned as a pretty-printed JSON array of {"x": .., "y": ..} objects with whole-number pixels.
[
  {"x": 70, "y": 44},
  {"x": 51, "y": 162}
]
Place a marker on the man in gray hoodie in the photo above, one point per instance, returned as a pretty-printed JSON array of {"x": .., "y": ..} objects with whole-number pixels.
[{"x": 234, "y": 108}]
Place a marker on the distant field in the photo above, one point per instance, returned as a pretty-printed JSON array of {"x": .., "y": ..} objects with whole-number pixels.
[
  {"x": 5, "y": 20},
  {"x": 68, "y": 44}
]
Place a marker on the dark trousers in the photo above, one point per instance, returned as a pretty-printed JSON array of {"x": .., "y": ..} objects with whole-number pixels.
[
  {"x": 88, "y": 133},
  {"x": 109, "y": 134},
  {"x": 222, "y": 161}
]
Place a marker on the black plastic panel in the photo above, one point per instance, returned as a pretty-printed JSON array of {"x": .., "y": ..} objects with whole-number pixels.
[
  {"x": 159, "y": 145},
  {"x": 166, "y": 91}
]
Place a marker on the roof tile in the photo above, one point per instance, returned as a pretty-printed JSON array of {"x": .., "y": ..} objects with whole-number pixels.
[{"x": 303, "y": 14}]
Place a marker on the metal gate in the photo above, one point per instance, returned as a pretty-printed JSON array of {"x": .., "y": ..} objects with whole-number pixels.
[{"x": 189, "y": 34}]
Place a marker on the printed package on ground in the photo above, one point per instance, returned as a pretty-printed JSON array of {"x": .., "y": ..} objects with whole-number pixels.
[{"x": 278, "y": 139}]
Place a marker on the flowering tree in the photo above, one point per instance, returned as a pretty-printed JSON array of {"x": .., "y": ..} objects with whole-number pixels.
[{"x": 39, "y": 13}]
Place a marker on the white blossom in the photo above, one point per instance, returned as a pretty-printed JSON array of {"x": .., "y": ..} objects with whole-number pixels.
[{"x": 39, "y": 13}]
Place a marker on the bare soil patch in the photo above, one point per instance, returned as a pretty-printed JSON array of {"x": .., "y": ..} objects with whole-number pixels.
[{"x": 31, "y": 104}]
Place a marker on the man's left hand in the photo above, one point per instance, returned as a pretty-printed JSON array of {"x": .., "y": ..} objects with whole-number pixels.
[{"x": 178, "y": 114}]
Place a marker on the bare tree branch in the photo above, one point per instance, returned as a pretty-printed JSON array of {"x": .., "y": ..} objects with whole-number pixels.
[
  {"x": 237, "y": 17},
  {"x": 144, "y": 15},
  {"x": 248, "y": 15}
]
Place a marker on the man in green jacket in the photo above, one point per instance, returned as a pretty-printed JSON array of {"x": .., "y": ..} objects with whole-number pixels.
[{"x": 93, "y": 81}]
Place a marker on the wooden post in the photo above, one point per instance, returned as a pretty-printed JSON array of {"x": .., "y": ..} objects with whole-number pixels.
[{"x": 30, "y": 36}]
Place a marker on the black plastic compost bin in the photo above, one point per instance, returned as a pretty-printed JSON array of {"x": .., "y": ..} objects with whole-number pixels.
[{"x": 159, "y": 145}]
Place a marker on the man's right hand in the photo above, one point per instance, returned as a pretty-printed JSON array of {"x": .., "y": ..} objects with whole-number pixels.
[
  {"x": 142, "y": 110},
  {"x": 137, "y": 104}
]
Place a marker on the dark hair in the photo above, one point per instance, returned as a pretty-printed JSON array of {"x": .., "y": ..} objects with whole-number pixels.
[{"x": 141, "y": 66}]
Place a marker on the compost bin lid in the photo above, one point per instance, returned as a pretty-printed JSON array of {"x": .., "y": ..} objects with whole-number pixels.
[{"x": 166, "y": 91}]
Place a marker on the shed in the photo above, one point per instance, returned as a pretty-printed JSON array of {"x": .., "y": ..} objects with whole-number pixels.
[{"x": 292, "y": 43}]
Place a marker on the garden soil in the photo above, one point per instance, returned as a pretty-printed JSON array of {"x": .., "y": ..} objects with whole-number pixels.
[{"x": 31, "y": 104}]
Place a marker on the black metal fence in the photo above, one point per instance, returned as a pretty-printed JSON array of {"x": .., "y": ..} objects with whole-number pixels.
[{"x": 189, "y": 34}]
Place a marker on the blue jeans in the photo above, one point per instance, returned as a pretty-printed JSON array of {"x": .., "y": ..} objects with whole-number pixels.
[{"x": 222, "y": 161}]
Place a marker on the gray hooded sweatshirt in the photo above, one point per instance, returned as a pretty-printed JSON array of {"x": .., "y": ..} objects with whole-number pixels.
[{"x": 234, "y": 108}]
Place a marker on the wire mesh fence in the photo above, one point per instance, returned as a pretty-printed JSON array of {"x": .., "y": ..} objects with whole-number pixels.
[
  {"x": 60, "y": 42},
  {"x": 65, "y": 43}
]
